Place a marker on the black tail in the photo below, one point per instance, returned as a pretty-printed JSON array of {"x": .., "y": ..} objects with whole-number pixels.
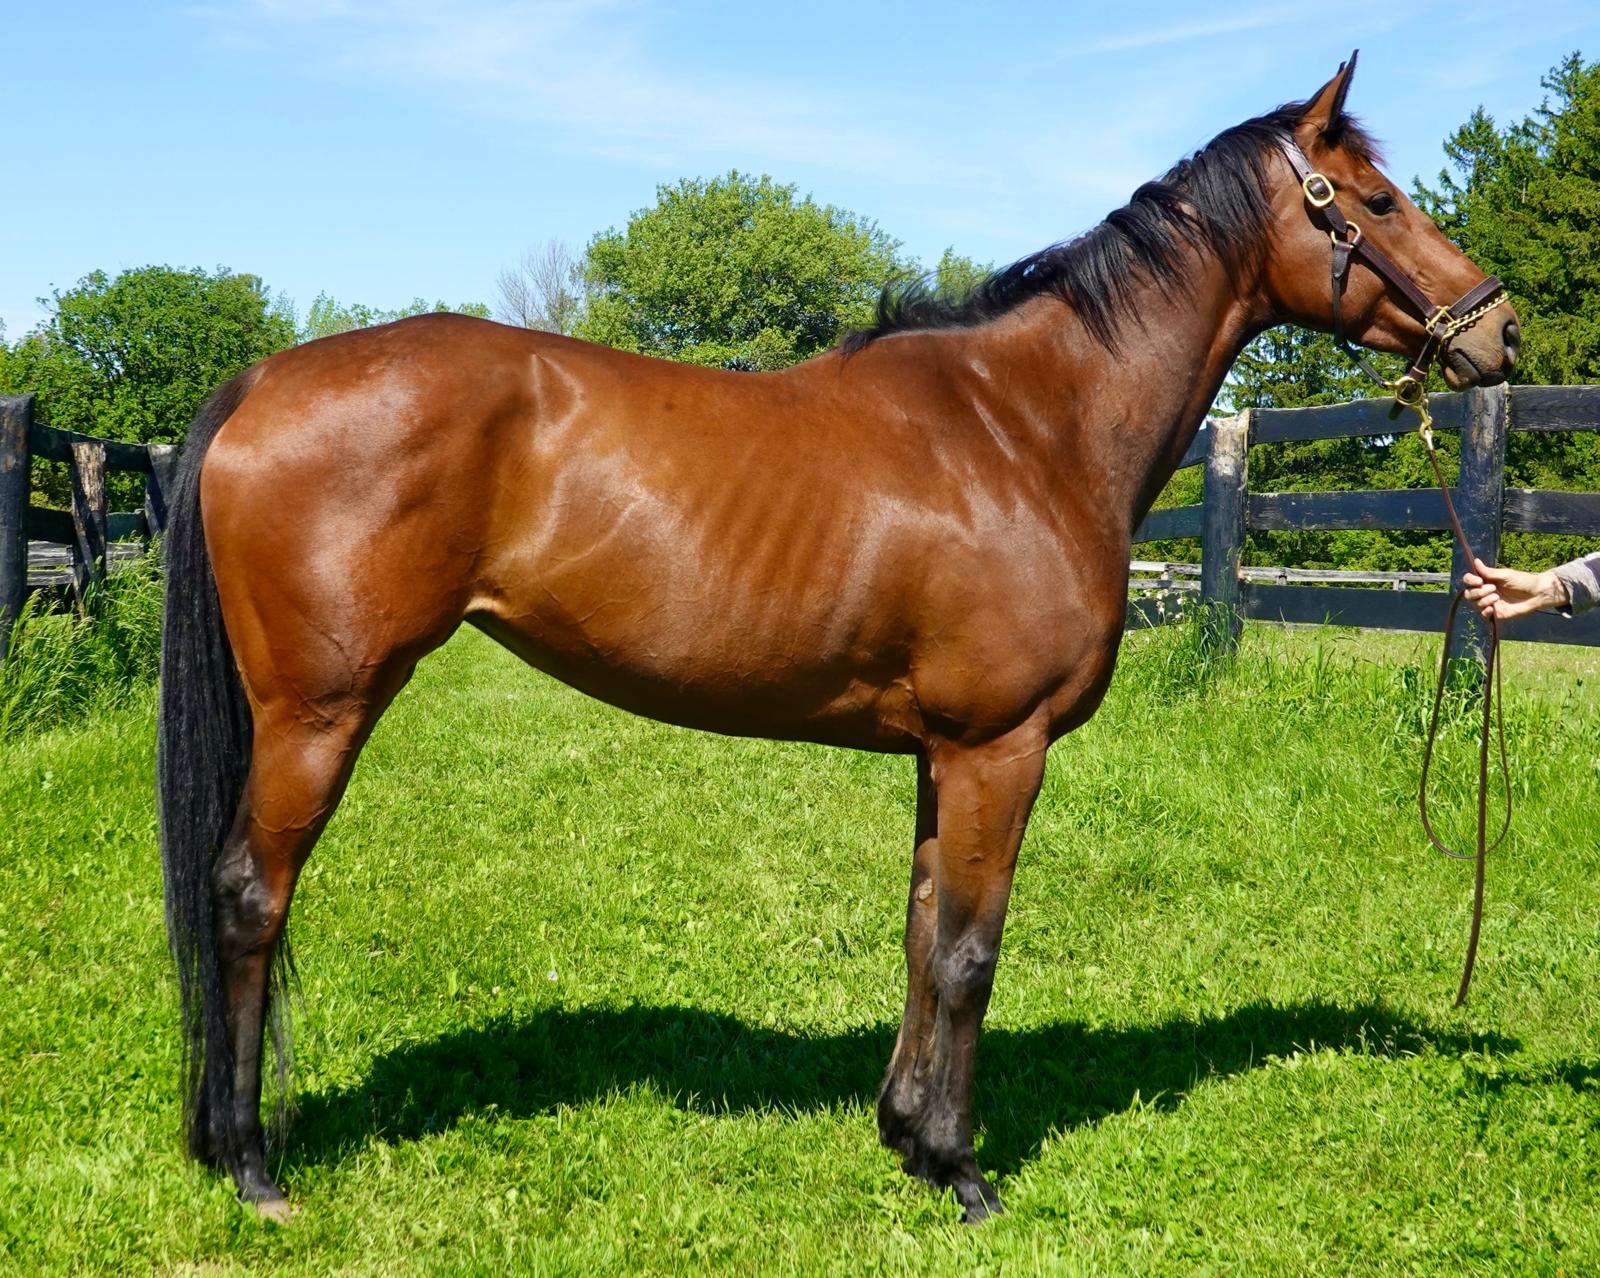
[{"x": 202, "y": 759}]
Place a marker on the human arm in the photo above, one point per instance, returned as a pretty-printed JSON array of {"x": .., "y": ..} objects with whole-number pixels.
[{"x": 1509, "y": 592}]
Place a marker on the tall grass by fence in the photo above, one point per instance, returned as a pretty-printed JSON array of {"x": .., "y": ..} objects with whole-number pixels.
[
  {"x": 64, "y": 665},
  {"x": 1228, "y": 510},
  {"x": 89, "y": 531}
]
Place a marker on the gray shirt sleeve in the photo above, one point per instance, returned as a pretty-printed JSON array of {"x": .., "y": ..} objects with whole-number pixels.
[{"x": 1582, "y": 580}]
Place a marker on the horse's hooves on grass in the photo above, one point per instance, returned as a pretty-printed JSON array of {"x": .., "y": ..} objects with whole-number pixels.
[
  {"x": 979, "y": 1201},
  {"x": 277, "y": 1210}
]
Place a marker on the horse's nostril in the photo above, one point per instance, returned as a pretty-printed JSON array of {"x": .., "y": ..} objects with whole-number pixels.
[{"x": 1511, "y": 335}]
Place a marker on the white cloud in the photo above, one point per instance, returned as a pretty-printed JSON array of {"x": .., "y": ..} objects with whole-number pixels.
[
  {"x": 1150, "y": 37},
  {"x": 576, "y": 67}
]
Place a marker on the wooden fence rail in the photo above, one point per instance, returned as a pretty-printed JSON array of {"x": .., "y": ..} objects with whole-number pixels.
[
  {"x": 1228, "y": 510},
  {"x": 89, "y": 529}
]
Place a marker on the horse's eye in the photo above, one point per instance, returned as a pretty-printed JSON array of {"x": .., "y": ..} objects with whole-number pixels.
[{"x": 1381, "y": 203}]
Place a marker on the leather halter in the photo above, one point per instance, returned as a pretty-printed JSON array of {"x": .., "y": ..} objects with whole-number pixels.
[{"x": 1440, "y": 322}]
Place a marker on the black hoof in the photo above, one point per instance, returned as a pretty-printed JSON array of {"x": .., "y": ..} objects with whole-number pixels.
[
  {"x": 256, "y": 1187},
  {"x": 978, "y": 1199}
]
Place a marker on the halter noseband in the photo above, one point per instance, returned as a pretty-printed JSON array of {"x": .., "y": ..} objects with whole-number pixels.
[{"x": 1441, "y": 322}]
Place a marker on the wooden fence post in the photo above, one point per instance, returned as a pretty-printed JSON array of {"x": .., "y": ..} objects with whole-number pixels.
[
  {"x": 1223, "y": 519},
  {"x": 1480, "y": 496},
  {"x": 88, "y": 515},
  {"x": 158, "y": 488},
  {"x": 16, "y": 414}
]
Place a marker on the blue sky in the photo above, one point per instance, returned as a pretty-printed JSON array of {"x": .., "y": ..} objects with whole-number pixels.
[{"x": 380, "y": 150}]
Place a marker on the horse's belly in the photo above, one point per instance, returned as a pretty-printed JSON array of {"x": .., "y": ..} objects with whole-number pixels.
[{"x": 691, "y": 663}]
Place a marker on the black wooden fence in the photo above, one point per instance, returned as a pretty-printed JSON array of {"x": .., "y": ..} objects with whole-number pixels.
[
  {"x": 1488, "y": 508},
  {"x": 89, "y": 530}
]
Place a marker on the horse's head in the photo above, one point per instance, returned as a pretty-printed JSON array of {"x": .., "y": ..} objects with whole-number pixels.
[{"x": 1396, "y": 283}]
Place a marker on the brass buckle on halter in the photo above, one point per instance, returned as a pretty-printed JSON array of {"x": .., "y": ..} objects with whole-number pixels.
[
  {"x": 1355, "y": 234},
  {"x": 1319, "y": 191}
]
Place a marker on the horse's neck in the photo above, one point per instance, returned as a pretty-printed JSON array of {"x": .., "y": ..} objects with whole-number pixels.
[{"x": 1127, "y": 417}]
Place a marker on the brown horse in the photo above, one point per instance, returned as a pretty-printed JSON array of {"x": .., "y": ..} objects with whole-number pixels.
[{"x": 916, "y": 543}]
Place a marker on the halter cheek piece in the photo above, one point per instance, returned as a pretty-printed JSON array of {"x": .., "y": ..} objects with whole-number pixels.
[{"x": 1442, "y": 323}]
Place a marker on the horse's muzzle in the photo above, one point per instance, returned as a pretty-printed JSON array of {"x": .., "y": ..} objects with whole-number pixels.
[{"x": 1482, "y": 359}]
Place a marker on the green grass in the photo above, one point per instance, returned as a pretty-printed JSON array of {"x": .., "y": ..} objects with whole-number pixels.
[
  {"x": 583, "y": 993},
  {"x": 63, "y": 665}
]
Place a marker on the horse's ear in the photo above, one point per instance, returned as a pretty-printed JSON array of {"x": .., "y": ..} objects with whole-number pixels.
[{"x": 1324, "y": 114}]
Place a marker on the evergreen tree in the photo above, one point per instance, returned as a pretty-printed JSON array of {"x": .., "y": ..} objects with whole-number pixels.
[{"x": 1524, "y": 203}]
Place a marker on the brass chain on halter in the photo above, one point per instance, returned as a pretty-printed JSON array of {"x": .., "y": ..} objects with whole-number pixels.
[
  {"x": 1441, "y": 325},
  {"x": 1410, "y": 393}
]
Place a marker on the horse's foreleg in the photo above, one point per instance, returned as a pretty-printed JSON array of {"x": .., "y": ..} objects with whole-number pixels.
[
  {"x": 984, "y": 796},
  {"x": 905, "y": 1085}
]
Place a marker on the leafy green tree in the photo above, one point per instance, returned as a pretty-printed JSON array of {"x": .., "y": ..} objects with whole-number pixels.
[
  {"x": 325, "y": 317},
  {"x": 133, "y": 357},
  {"x": 734, "y": 272},
  {"x": 955, "y": 276}
]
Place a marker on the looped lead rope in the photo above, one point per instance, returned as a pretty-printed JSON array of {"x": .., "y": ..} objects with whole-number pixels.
[{"x": 1493, "y": 709}]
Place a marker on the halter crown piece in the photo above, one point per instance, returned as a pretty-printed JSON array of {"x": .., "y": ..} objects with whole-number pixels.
[{"x": 1441, "y": 322}]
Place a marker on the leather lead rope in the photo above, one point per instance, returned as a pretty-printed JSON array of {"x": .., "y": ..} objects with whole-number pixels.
[
  {"x": 1440, "y": 324},
  {"x": 1493, "y": 709}
]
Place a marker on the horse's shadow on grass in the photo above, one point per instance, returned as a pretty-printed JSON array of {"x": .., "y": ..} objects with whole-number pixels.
[{"x": 1031, "y": 1082}]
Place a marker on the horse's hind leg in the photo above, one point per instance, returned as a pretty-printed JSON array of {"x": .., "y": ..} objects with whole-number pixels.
[
  {"x": 984, "y": 795},
  {"x": 302, "y": 757}
]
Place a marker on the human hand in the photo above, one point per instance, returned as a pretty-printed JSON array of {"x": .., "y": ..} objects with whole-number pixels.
[{"x": 1507, "y": 593}]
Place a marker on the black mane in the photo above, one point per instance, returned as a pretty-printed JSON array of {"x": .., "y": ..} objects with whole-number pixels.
[{"x": 1215, "y": 200}]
